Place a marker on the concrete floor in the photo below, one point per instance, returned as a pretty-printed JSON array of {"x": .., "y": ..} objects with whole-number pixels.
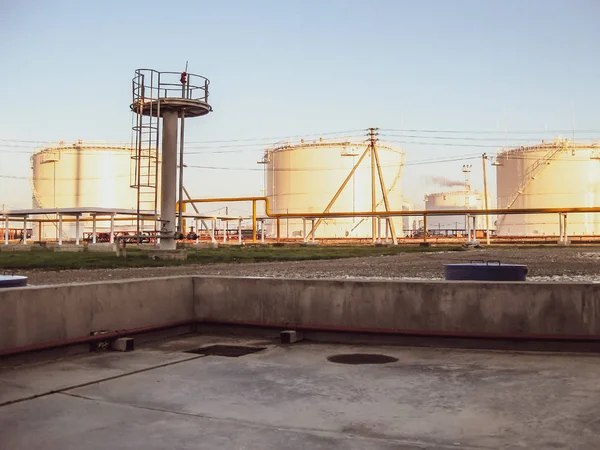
[{"x": 292, "y": 397}]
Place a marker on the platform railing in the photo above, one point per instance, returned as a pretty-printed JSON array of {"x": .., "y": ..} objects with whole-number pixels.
[{"x": 150, "y": 85}]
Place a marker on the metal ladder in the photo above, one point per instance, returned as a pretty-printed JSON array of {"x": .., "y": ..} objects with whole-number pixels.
[{"x": 144, "y": 168}]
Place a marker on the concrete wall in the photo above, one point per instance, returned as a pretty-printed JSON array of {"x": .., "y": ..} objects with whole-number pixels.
[
  {"x": 452, "y": 308},
  {"x": 43, "y": 315},
  {"x": 40, "y": 315}
]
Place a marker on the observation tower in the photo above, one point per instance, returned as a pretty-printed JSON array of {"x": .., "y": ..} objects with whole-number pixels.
[{"x": 171, "y": 97}]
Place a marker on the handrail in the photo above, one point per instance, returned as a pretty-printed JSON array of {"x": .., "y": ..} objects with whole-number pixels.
[
  {"x": 151, "y": 85},
  {"x": 158, "y": 72}
]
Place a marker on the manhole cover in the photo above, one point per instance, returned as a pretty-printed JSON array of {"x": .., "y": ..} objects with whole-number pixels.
[
  {"x": 362, "y": 358},
  {"x": 231, "y": 351},
  {"x": 7, "y": 281}
]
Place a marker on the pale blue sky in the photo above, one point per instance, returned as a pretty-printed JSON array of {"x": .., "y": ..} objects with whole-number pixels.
[{"x": 282, "y": 68}]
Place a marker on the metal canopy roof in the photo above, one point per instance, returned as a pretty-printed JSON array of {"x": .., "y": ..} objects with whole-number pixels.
[
  {"x": 105, "y": 212},
  {"x": 70, "y": 212}
]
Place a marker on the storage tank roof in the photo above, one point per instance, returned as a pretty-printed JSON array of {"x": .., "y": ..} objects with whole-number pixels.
[
  {"x": 61, "y": 146},
  {"x": 286, "y": 145}
]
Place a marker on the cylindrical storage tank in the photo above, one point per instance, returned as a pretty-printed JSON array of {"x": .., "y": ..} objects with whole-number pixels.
[
  {"x": 455, "y": 224},
  {"x": 81, "y": 176},
  {"x": 407, "y": 205},
  {"x": 304, "y": 178},
  {"x": 550, "y": 175}
]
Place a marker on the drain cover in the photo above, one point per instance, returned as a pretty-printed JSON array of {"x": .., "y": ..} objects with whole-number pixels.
[
  {"x": 362, "y": 358},
  {"x": 231, "y": 351}
]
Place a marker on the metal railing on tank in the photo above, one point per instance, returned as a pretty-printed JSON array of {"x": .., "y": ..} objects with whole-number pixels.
[{"x": 150, "y": 85}]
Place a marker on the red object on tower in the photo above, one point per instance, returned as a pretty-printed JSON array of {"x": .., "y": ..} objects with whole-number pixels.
[{"x": 183, "y": 78}]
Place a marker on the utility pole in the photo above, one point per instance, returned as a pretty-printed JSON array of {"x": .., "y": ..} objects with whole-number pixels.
[
  {"x": 467, "y": 171},
  {"x": 485, "y": 195},
  {"x": 54, "y": 201},
  {"x": 184, "y": 86},
  {"x": 372, "y": 140}
]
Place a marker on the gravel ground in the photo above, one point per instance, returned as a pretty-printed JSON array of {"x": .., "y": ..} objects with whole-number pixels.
[{"x": 545, "y": 264}]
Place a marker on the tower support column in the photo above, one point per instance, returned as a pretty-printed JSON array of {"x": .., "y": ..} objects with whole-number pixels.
[{"x": 168, "y": 181}]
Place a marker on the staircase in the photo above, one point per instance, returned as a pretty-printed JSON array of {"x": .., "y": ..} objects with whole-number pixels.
[
  {"x": 48, "y": 157},
  {"x": 52, "y": 217},
  {"x": 530, "y": 174}
]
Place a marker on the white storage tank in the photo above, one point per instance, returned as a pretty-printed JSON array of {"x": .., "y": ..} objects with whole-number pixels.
[
  {"x": 305, "y": 177},
  {"x": 407, "y": 205},
  {"x": 81, "y": 175},
  {"x": 462, "y": 199},
  {"x": 554, "y": 174}
]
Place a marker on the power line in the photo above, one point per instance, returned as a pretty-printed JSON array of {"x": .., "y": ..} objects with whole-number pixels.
[
  {"x": 258, "y": 140},
  {"x": 258, "y": 147},
  {"x": 341, "y": 138},
  {"x": 253, "y": 144},
  {"x": 352, "y": 140},
  {"x": 467, "y": 157},
  {"x": 220, "y": 141},
  {"x": 107, "y": 178},
  {"x": 437, "y": 161},
  {"x": 232, "y": 143},
  {"x": 456, "y": 138},
  {"x": 343, "y": 169},
  {"x": 444, "y": 144},
  {"x": 298, "y": 136},
  {"x": 498, "y": 132}
]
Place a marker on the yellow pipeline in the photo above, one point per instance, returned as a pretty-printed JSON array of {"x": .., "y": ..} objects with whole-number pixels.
[
  {"x": 184, "y": 221},
  {"x": 422, "y": 213},
  {"x": 446, "y": 212}
]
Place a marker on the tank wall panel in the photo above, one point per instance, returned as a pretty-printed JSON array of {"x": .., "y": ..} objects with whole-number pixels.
[
  {"x": 455, "y": 200},
  {"x": 571, "y": 179},
  {"x": 305, "y": 179},
  {"x": 82, "y": 177}
]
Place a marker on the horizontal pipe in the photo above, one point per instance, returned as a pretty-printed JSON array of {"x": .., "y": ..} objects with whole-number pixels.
[
  {"x": 96, "y": 338},
  {"x": 413, "y": 213},
  {"x": 421, "y": 333},
  {"x": 227, "y": 199},
  {"x": 447, "y": 212}
]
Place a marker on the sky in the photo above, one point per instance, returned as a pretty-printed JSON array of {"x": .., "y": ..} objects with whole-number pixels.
[{"x": 478, "y": 75}]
